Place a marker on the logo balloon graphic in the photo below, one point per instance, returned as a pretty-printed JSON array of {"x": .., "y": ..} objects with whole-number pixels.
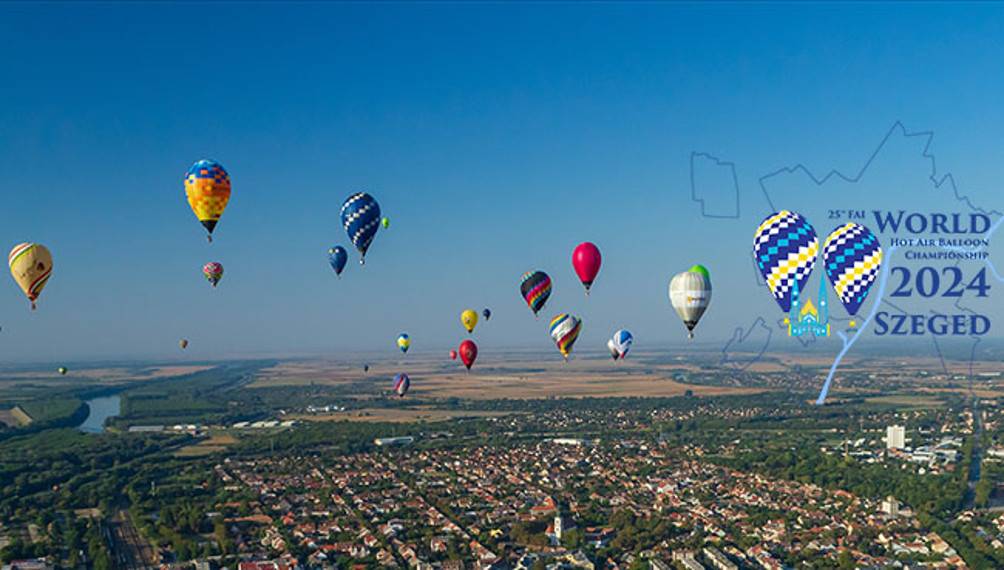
[
  {"x": 785, "y": 247},
  {"x": 361, "y": 220},
  {"x": 535, "y": 286},
  {"x": 852, "y": 257},
  {"x": 338, "y": 257},
  {"x": 468, "y": 353},
  {"x": 207, "y": 187},
  {"x": 586, "y": 260},
  {"x": 564, "y": 330},
  {"x": 213, "y": 272},
  {"x": 690, "y": 295}
]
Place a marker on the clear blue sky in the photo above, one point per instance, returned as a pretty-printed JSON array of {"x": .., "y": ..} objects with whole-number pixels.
[{"x": 495, "y": 136}]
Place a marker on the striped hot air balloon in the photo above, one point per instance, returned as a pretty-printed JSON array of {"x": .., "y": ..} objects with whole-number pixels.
[
  {"x": 361, "y": 220},
  {"x": 535, "y": 286},
  {"x": 852, "y": 257},
  {"x": 31, "y": 266},
  {"x": 401, "y": 384},
  {"x": 785, "y": 247},
  {"x": 565, "y": 330}
]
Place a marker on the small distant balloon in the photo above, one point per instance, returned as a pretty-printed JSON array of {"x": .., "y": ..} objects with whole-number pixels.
[
  {"x": 401, "y": 384},
  {"x": 63, "y": 370},
  {"x": 338, "y": 257},
  {"x": 852, "y": 257},
  {"x": 621, "y": 342},
  {"x": 183, "y": 343},
  {"x": 453, "y": 355},
  {"x": 469, "y": 319},
  {"x": 213, "y": 272},
  {"x": 535, "y": 286},
  {"x": 564, "y": 331},
  {"x": 468, "y": 353},
  {"x": 586, "y": 260},
  {"x": 404, "y": 342},
  {"x": 207, "y": 187},
  {"x": 31, "y": 267},
  {"x": 690, "y": 295},
  {"x": 361, "y": 219},
  {"x": 366, "y": 367},
  {"x": 385, "y": 222},
  {"x": 487, "y": 313}
]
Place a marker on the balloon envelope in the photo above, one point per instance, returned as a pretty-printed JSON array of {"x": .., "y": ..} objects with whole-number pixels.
[
  {"x": 385, "y": 223},
  {"x": 207, "y": 187},
  {"x": 535, "y": 286},
  {"x": 622, "y": 340},
  {"x": 63, "y": 370},
  {"x": 213, "y": 272},
  {"x": 403, "y": 342},
  {"x": 468, "y": 353},
  {"x": 690, "y": 295},
  {"x": 338, "y": 257},
  {"x": 453, "y": 355},
  {"x": 401, "y": 384},
  {"x": 487, "y": 313},
  {"x": 183, "y": 343},
  {"x": 361, "y": 219},
  {"x": 784, "y": 249},
  {"x": 852, "y": 257},
  {"x": 31, "y": 266},
  {"x": 586, "y": 260},
  {"x": 564, "y": 331},
  {"x": 469, "y": 319}
]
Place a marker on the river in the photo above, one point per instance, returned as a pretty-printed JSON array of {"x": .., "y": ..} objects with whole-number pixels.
[{"x": 101, "y": 409}]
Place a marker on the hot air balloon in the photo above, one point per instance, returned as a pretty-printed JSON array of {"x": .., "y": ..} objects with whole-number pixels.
[
  {"x": 453, "y": 355},
  {"x": 385, "y": 222},
  {"x": 784, "y": 249},
  {"x": 361, "y": 220},
  {"x": 535, "y": 286},
  {"x": 366, "y": 367},
  {"x": 564, "y": 330},
  {"x": 403, "y": 342},
  {"x": 487, "y": 313},
  {"x": 183, "y": 343},
  {"x": 469, "y": 319},
  {"x": 622, "y": 340},
  {"x": 213, "y": 272},
  {"x": 401, "y": 384},
  {"x": 31, "y": 267},
  {"x": 63, "y": 370},
  {"x": 586, "y": 260},
  {"x": 338, "y": 257},
  {"x": 852, "y": 257},
  {"x": 207, "y": 186},
  {"x": 615, "y": 352},
  {"x": 468, "y": 353},
  {"x": 690, "y": 294}
]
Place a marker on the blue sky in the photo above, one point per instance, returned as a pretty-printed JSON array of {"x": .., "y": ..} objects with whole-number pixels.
[{"x": 495, "y": 136}]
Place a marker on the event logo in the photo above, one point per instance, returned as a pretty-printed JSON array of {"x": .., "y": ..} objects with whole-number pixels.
[{"x": 785, "y": 248}]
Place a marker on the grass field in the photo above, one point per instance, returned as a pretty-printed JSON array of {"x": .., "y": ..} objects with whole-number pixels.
[{"x": 215, "y": 443}]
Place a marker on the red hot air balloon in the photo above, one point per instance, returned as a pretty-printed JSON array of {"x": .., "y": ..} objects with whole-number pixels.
[
  {"x": 453, "y": 355},
  {"x": 468, "y": 353},
  {"x": 586, "y": 261}
]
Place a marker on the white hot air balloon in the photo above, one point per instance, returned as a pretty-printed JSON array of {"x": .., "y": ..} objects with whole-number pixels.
[{"x": 690, "y": 294}]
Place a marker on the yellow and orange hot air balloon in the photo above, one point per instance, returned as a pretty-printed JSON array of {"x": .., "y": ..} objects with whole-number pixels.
[
  {"x": 31, "y": 266},
  {"x": 207, "y": 186}
]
